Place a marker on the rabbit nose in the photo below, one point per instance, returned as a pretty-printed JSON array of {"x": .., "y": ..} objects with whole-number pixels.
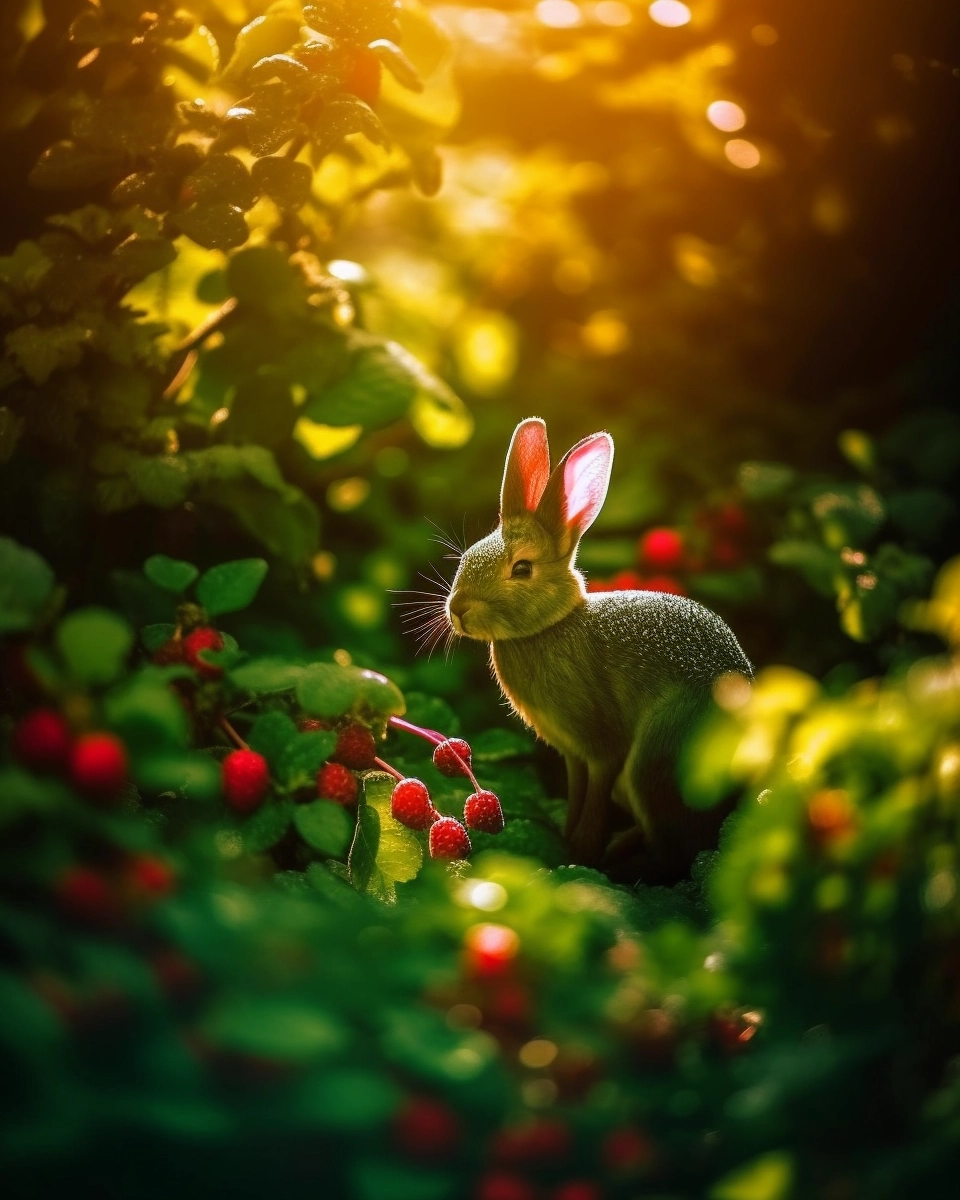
[{"x": 458, "y": 607}]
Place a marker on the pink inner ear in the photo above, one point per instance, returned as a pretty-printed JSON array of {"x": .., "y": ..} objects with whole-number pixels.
[
  {"x": 586, "y": 475},
  {"x": 533, "y": 460}
]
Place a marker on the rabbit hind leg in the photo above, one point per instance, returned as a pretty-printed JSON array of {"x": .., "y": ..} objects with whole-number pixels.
[{"x": 589, "y": 836}]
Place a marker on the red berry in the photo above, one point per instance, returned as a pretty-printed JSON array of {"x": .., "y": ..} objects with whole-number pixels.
[
  {"x": 490, "y": 949},
  {"x": 356, "y": 747},
  {"x": 312, "y": 724},
  {"x": 730, "y": 1032},
  {"x": 177, "y": 976},
  {"x": 449, "y": 839},
  {"x": 363, "y": 78},
  {"x": 150, "y": 877},
  {"x": 98, "y": 765},
  {"x": 626, "y": 1151},
  {"x": 411, "y": 805},
  {"x": 601, "y": 585},
  {"x": 452, "y": 757},
  {"x": 626, "y": 581},
  {"x": 577, "y": 1189},
  {"x": 537, "y": 1141},
  {"x": 664, "y": 583},
  {"x": 246, "y": 778},
  {"x": 726, "y": 553},
  {"x": 425, "y": 1128},
  {"x": 482, "y": 811},
  {"x": 42, "y": 740},
  {"x": 731, "y": 520},
  {"x": 662, "y": 549},
  {"x": 336, "y": 782},
  {"x": 500, "y": 1185},
  {"x": 204, "y": 638},
  {"x": 510, "y": 1003},
  {"x": 86, "y": 894}
]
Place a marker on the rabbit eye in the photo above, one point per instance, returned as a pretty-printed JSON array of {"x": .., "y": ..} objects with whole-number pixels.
[{"x": 521, "y": 569}]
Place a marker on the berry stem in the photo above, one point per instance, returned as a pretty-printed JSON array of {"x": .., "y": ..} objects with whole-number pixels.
[
  {"x": 429, "y": 735},
  {"x": 232, "y": 734},
  {"x": 385, "y": 766}
]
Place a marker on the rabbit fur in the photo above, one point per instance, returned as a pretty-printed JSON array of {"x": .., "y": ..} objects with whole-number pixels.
[{"x": 616, "y": 681}]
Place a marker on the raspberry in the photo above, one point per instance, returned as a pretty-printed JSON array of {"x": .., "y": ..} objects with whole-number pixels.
[
  {"x": 356, "y": 747},
  {"x": 86, "y": 894},
  {"x": 499, "y": 1185},
  {"x": 452, "y": 757},
  {"x": 246, "y": 778},
  {"x": 335, "y": 782},
  {"x": 98, "y": 765},
  {"x": 42, "y": 740},
  {"x": 482, "y": 811},
  {"x": 411, "y": 805},
  {"x": 448, "y": 839},
  {"x": 662, "y": 549},
  {"x": 149, "y": 877},
  {"x": 426, "y": 1129},
  {"x": 204, "y": 638},
  {"x": 363, "y": 78}
]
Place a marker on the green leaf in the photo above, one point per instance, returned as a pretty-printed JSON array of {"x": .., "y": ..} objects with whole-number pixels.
[
  {"x": 377, "y": 695},
  {"x": 351, "y": 1098},
  {"x": 388, "y": 1179},
  {"x": 262, "y": 411},
  {"x": 25, "y": 794},
  {"x": 67, "y": 166},
  {"x": 214, "y": 226},
  {"x": 265, "y": 675},
  {"x": 267, "y": 826},
  {"x": 171, "y": 574},
  {"x": 499, "y": 745},
  {"x": 769, "y": 1177},
  {"x": 262, "y": 278},
  {"x": 286, "y": 182},
  {"x": 95, "y": 643},
  {"x": 284, "y": 520},
  {"x": 384, "y": 852},
  {"x": 816, "y": 563},
  {"x": 221, "y": 178},
  {"x": 327, "y": 690},
  {"x": 26, "y": 585},
  {"x": 231, "y": 586},
  {"x": 325, "y": 826},
  {"x": 362, "y": 861},
  {"x": 765, "y": 480},
  {"x": 155, "y": 636},
  {"x": 148, "y": 716},
  {"x": 194, "y": 777},
  {"x": 381, "y": 384},
  {"x": 270, "y": 735},
  {"x": 526, "y": 839},
  {"x": 303, "y": 757},
  {"x": 275, "y": 1028}
]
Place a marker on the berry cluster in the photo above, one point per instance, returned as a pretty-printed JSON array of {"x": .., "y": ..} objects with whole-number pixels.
[
  {"x": 715, "y": 540},
  {"x": 94, "y": 762},
  {"x": 412, "y": 806}
]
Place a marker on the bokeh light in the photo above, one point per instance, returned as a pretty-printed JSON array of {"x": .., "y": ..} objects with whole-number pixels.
[
  {"x": 558, "y": 14},
  {"x": 613, "y": 13},
  {"x": 726, "y": 116},
  {"x": 670, "y": 13},
  {"x": 742, "y": 154}
]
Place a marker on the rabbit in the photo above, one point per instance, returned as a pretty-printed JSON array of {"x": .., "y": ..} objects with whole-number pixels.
[{"x": 616, "y": 681}]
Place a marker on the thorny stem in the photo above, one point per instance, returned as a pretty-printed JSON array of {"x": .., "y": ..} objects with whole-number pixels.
[{"x": 232, "y": 734}]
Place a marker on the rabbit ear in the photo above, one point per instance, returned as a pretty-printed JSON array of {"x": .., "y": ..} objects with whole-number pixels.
[
  {"x": 527, "y": 469},
  {"x": 577, "y": 489}
]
